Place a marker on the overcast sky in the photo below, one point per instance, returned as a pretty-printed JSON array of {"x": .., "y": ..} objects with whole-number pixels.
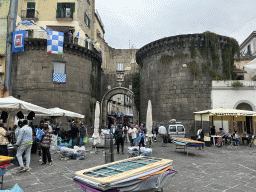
[{"x": 144, "y": 21}]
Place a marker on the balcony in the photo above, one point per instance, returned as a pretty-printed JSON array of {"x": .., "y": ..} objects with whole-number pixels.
[
  {"x": 64, "y": 15},
  {"x": 29, "y": 15}
]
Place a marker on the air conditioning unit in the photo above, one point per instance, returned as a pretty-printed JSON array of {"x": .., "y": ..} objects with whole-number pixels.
[{"x": 68, "y": 13}]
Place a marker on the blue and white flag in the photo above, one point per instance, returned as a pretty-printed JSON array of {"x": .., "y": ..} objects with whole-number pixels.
[
  {"x": 55, "y": 41},
  {"x": 18, "y": 41},
  {"x": 86, "y": 38},
  {"x": 93, "y": 42},
  {"x": 27, "y": 23},
  {"x": 60, "y": 78},
  {"x": 77, "y": 35}
]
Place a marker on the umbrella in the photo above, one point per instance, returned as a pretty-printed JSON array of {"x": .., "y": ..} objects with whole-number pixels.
[
  {"x": 149, "y": 120},
  {"x": 61, "y": 112},
  {"x": 96, "y": 136}
]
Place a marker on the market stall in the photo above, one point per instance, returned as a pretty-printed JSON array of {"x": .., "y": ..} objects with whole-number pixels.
[
  {"x": 230, "y": 119},
  {"x": 184, "y": 143},
  {"x": 133, "y": 174}
]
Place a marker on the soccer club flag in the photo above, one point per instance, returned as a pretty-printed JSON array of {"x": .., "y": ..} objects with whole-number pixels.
[
  {"x": 18, "y": 41},
  {"x": 55, "y": 42}
]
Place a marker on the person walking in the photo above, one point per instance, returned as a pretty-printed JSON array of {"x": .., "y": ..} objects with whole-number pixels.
[
  {"x": 24, "y": 144},
  {"x": 82, "y": 134},
  {"x": 155, "y": 132},
  {"x": 140, "y": 138},
  {"x": 74, "y": 132},
  {"x": 162, "y": 131},
  {"x": 119, "y": 138},
  {"x": 46, "y": 143}
]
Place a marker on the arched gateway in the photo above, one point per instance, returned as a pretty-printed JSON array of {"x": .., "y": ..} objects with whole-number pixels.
[{"x": 108, "y": 96}]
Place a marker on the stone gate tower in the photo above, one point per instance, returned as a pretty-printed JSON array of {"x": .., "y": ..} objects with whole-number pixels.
[{"x": 176, "y": 74}]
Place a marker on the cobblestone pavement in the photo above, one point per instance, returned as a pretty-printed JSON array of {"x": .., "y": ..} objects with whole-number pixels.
[{"x": 213, "y": 169}]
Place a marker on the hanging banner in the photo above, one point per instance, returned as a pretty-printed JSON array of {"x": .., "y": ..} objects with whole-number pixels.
[
  {"x": 55, "y": 42},
  {"x": 18, "y": 41}
]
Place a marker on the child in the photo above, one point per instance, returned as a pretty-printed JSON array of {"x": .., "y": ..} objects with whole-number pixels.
[{"x": 46, "y": 142}]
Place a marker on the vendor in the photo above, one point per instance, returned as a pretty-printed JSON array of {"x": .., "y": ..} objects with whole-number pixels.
[{"x": 3, "y": 141}]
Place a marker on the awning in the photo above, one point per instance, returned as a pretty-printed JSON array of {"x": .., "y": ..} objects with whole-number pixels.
[
  {"x": 226, "y": 112},
  {"x": 61, "y": 112}
]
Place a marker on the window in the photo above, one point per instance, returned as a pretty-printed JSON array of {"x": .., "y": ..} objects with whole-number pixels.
[
  {"x": 120, "y": 66},
  {"x": 31, "y": 10},
  {"x": 65, "y": 10},
  {"x": 59, "y": 72},
  {"x": 1, "y": 61},
  {"x": 87, "y": 20},
  {"x": 180, "y": 128},
  {"x": 172, "y": 129},
  {"x": 89, "y": 2}
]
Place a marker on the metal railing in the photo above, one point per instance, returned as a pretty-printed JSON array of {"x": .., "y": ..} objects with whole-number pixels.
[
  {"x": 41, "y": 34},
  {"x": 29, "y": 15}
]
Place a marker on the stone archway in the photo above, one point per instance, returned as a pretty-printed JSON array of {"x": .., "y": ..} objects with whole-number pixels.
[{"x": 108, "y": 96}]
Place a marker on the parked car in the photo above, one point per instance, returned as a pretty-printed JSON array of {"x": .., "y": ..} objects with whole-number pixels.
[{"x": 176, "y": 130}]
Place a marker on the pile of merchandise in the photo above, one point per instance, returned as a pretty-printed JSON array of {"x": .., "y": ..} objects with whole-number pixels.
[
  {"x": 133, "y": 151},
  {"x": 132, "y": 174},
  {"x": 4, "y": 163},
  {"x": 136, "y": 151},
  {"x": 76, "y": 153}
]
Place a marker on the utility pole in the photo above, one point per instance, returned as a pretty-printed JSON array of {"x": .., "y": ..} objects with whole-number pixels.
[{"x": 8, "y": 64}]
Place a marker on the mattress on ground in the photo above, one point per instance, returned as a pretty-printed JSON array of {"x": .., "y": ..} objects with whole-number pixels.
[
  {"x": 148, "y": 184},
  {"x": 116, "y": 171}
]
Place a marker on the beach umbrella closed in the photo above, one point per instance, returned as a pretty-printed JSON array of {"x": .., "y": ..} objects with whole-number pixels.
[
  {"x": 149, "y": 120},
  {"x": 96, "y": 136}
]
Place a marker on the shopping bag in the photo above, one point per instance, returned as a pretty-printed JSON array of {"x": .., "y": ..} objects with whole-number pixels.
[
  {"x": 86, "y": 139},
  {"x": 39, "y": 134},
  {"x": 70, "y": 143}
]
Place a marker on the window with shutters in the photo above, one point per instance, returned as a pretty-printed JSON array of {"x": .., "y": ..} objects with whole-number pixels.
[
  {"x": 31, "y": 9},
  {"x": 65, "y": 10},
  {"x": 87, "y": 20}
]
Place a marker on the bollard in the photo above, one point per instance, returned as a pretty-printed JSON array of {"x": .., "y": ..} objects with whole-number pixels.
[{"x": 109, "y": 149}]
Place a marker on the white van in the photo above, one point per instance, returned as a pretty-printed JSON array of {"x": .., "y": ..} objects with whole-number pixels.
[{"x": 176, "y": 130}]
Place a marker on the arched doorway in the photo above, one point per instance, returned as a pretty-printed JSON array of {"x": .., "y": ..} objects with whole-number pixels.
[
  {"x": 106, "y": 99},
  {"x": 245, "y": 126}
]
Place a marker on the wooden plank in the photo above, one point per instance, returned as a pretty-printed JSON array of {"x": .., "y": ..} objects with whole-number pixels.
[{"x": 186, "y": 140}]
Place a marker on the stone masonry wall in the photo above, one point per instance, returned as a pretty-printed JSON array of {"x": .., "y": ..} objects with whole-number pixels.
[
  {"x": 33, "y": 78},
  {"x": 175, "y": 93}
]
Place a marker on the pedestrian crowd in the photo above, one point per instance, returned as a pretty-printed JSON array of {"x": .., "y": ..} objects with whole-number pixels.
[
  {"x": 29, "y": 138},
  {"x": 132, "y": 134}
]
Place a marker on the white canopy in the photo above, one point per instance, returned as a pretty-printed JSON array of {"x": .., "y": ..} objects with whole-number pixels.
[
  {"x": 11, "y": 104},
  {"x": 61, "y": 112},
  {"x": 250, "y": 68},
  {"x": 96, "y": 136}
]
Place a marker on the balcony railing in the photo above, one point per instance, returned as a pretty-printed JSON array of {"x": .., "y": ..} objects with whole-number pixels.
[
  {"x": 41, "y": 34},
  {"x": 29, "y": 15},
  {"x": 64, "y": 14}
]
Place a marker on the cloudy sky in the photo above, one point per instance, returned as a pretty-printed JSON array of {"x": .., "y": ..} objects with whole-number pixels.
[{"x": 143, "y": 21}]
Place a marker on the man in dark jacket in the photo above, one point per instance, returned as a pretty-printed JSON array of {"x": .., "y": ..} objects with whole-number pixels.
[
  {"x": 119, "y": 138},
  {"x": 74, "y": 131}
]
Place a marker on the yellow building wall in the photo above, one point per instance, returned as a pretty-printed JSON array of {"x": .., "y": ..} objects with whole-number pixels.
[
  {"x": 2, "y": 70},
  {"x": 4, "y": 10},
  {"x": 47, "y": 17}
]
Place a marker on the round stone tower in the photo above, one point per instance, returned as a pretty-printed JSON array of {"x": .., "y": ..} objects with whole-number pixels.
[{"x": 177, "y": 73}]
